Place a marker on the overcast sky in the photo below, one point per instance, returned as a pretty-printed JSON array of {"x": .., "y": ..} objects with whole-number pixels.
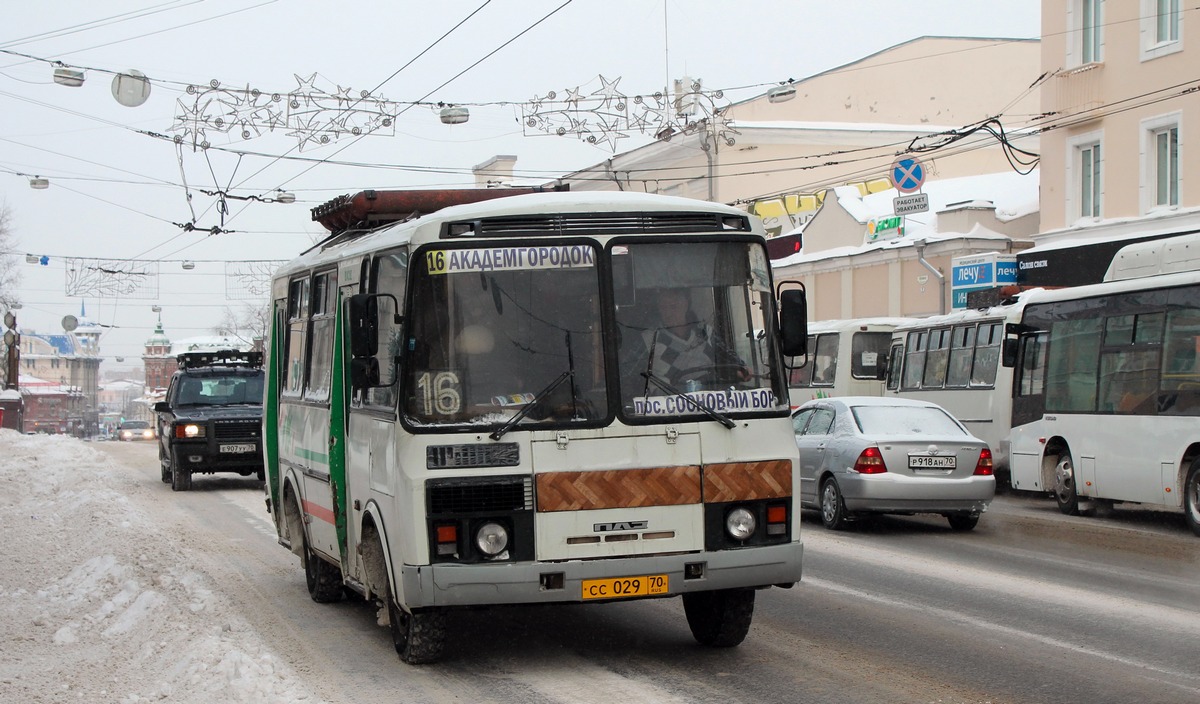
[{"x": 117, "y": 193}]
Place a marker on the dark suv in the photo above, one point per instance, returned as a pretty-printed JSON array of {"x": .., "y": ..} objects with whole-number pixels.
[{"x": 211, "y": 420}]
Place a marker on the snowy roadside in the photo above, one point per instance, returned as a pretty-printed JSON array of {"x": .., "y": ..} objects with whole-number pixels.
[{"x": 99, "y": 603}]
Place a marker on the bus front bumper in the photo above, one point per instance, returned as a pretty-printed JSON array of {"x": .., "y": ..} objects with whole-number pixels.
[{"x": 526, "y": 583}]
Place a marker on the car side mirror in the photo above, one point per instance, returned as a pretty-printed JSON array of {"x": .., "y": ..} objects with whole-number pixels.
[{"x": 162, "y": 407}]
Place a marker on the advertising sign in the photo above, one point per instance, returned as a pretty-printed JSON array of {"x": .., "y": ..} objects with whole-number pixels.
[{"x": 979, "y": 272}]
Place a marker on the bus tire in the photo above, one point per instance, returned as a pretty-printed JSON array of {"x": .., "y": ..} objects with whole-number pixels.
[
  {"x": 833, "y": 507},
  {"x": 181, "y": 477},
  {"x": 1063, "y": 489},
  {"x": 719, "y": 619},
  {"x": 324, "y": 581},
  {"x": 1191, "y": 497},
  {"x": 419, "y": 637}
]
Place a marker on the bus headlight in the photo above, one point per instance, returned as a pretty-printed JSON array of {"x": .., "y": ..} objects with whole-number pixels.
[
  {"x": 740, "y": 524},
  {"x": 491, "y": 539}
]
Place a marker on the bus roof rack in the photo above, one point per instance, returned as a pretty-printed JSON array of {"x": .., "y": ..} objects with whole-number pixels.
[
  {"x": 371, "y": 208},
  {"x": 238, "y": 358}
]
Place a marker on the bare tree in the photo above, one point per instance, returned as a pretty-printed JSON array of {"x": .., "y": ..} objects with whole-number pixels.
[
  {"x": 249, "y": 324},
  {"x": 10, "y": 273}
]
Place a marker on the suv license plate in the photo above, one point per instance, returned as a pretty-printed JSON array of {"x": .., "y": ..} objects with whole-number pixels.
[
  {"x": 621, "y": 587},
  {"x": 248, "y": 447},
  {"x": 932, "y": 462}
]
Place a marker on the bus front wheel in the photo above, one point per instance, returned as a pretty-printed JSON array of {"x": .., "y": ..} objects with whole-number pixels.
[
  {"x": 419, "y": 637},
  {"x": 720, "y": 619},
  {"x": 1191, "y": 497},
  {"x": 1064, "y": 485}
]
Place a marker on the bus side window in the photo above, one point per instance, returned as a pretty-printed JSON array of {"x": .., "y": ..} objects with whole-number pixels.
[
  {"x": 962, "y": 348},
  {"x": 987, "y": 354},
  {"x": 895, "y": 364},
  {"x": 914, "y": 360},
  {"x": 825, "y": 360},
  {"x": 936, "y": 359}
]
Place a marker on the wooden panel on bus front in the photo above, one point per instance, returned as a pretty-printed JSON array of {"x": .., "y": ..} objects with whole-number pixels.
[
  {"x": 621, "y": 488},
  {"x": 747, "y": 481}
]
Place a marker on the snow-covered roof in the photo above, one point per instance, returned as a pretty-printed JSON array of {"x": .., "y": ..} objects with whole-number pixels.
[{"x": 210, "y": 342}]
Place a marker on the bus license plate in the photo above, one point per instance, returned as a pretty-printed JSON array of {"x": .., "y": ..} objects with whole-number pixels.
[
  {"x": 622, "y": 587},
  {"x": 932, "y": 462},
  {"x": 242, "y": 448}
]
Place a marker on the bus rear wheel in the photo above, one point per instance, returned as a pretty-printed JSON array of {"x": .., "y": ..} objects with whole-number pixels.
[
  {"x": 324, "y": 581},
  {"x": 719, "y": 619},
  {"x": 1064, "y": 485},
  {"x": 1191, "y": 497}
]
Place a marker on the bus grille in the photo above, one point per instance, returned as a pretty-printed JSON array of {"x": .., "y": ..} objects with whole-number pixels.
[
  {"x": 236, "y": 429},
  {"x": 479, "y": 495}
]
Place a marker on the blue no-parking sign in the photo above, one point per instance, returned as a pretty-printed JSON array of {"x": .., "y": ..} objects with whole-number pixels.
[{"x": 907, "y": 174}]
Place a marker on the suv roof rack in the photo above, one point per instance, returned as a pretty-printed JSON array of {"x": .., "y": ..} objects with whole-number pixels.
[{"x": 191, "y": 360}]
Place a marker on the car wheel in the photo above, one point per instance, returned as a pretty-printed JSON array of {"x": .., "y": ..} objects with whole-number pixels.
[
  {"x": 1064, "y": 485},
  {"x": 719, "y": 619},
  {"x": 323, "y": 579},
  {"x": 181, "y": 477},
  {"x": 419, "y": 637},
  {"x": 164, "y": 462},
  {"x": 1191, "y": 497},
  {"x": 833, "y": 507},
  {"x": 261, "y": 474},
  {"x": 963, "y": 521}
]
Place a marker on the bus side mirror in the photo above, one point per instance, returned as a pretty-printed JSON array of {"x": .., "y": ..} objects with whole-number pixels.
[
  {"x": 793, "y": 322},
  {"x": 364, "y": 326},
  {"x": 1008, "y": 351},
  {"x": 364, "y": 372}
]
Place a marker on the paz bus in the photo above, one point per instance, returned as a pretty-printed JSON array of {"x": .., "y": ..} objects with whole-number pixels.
[
  {"x": 466, "y": 408},
  {"x": 1106, "y": 393},
  {"x": 845, "y": 358}
]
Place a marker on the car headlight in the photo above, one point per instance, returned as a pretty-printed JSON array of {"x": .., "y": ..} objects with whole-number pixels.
[
  {"x": 740, "y": 524},
  {"x": 191, "y": 430},
  {"x": 491, "y": 538}
]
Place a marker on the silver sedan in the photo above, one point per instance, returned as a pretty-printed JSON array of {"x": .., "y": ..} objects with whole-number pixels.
[{"x": 890, "y": 455}]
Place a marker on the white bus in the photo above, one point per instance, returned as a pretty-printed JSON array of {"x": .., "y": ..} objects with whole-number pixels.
[
  {"x": 845, "y": 358},
  {"x": 1107, "y": 388},
  {"x": 470, "y": 407},
  {"x": 953, "y": 360}
]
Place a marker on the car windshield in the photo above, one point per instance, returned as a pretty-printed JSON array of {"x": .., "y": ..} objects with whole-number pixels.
[
  {"x": 905, "y": 420},
  {"x": 220, "y": 390},
  {"x": 135, "y": 425}
]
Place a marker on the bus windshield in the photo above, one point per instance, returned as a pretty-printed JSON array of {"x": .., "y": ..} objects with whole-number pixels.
[
  {"x": 514, "y": 335},
  {"x": 692, "y": 330},
  {"x": 500, "y": 331}
]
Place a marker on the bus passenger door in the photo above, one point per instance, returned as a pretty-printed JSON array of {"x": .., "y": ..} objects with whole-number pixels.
[{"x": 1028, "y": 407}]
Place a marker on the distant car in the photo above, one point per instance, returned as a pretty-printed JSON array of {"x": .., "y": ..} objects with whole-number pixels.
[
  {"x": 211, "y": 419},
  {"x": 135, "y": 430},
  {"x": 862, "y": 455}
]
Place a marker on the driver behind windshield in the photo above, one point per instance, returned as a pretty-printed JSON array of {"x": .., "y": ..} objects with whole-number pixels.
[{"x": 683, "y": 351}]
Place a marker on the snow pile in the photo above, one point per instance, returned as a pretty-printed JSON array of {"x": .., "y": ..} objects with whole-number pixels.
[{"x": 97, "y": 601}]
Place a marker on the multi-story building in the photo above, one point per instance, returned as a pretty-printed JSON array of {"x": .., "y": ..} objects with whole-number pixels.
[{"x": 1122, "y": 95}]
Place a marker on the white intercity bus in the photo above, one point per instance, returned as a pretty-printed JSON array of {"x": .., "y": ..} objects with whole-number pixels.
[
  {"x": 470, "y": 403},
  {"x": 1106, "y": 395}
]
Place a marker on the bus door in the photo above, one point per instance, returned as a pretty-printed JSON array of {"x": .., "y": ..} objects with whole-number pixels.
[
  {"x": 370, "y": 444},
  {"x": 1028, "y": 406}
]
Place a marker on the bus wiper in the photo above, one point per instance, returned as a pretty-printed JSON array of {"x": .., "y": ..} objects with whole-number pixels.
[
  {"x": 574, "y": 390},
  {"x": 537, "y": 399},
  {"x": 708, "y": 411}
]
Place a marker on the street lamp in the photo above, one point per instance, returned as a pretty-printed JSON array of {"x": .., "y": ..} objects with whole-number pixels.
[{"x": 12, "y": 340}]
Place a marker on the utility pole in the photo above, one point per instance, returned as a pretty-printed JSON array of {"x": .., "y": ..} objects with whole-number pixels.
[{"x": 12, "y": 340}]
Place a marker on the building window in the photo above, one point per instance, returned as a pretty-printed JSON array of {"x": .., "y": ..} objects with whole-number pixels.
[
  {"x": 1085, "y": 178},
  {"x": 1090, "y": 193},
  {"x": 1167, "y": 21},
  {"x": 1162, "y": 152},
  {"x": 1091, "y": 31},
  {"x": 1166, "y": 166},
  {"x": 1161, "y": 28}
]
